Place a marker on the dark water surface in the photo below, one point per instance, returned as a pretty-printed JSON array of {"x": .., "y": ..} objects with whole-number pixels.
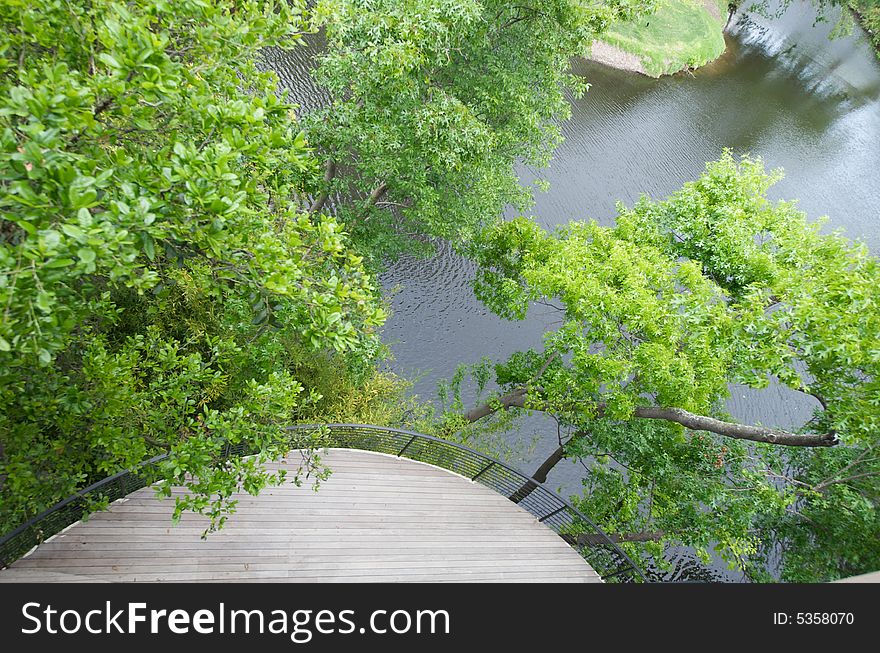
[{"x": 783, "y": 91}]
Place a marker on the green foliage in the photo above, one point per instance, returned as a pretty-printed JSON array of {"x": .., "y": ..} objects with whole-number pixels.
[
  {"x": 868, "y": 12},
  {"x": 450, "y": 392},
  {"x": 833, "y": 529},
  {"x": 159, "y": 288},
  {"x": 434, "y": 101},
  {"x": 713, "y": 286},
  {"x": 805, "y": 305}
]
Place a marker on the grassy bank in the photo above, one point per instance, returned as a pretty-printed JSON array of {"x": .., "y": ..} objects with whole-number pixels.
[
  {"x": 868, "y": 12},
  {"x": 681, "y": 34}
]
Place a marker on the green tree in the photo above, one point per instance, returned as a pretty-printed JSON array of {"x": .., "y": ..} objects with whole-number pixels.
[
  {"x": 661, "y": 314},
  {"x": 432, "y": 104},
  {"x": 160, "y": 291}
]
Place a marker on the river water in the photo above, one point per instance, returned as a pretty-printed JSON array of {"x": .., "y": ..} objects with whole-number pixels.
[{"x": 783, "y": 91}]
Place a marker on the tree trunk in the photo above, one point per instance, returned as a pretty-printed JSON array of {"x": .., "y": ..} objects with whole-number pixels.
[
  {"x": 511, "y": 399},
  {"x": 540, "y": 475},
  {"x": 329, "y": 173},
  {"x": 731, "y": 10},
  {"x": 517, "y": 399},
  {"x": 377, "y": 194}
]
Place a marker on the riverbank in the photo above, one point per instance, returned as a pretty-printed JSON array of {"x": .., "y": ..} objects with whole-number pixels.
[
  {"x": 680, "y": 35},
  {"x": 868, "y": 14}
]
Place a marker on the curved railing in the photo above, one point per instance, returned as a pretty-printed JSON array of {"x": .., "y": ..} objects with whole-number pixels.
[
  {"x": 68, "y": 511},
  {"x": 603, "y": 554}
]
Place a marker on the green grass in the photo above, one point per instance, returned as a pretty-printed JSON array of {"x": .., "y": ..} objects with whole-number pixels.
[{"x": 681, "y": 34}]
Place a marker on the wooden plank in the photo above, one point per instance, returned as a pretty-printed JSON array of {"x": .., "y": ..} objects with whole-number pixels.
[
  {"x": 378, "y": 518},
  {"x": 273, "y": 576},
  {"x": 358, "y": 558},
  {"x": 337, "y": 503},
  {"x": 13, "y": 575},
  {"x": 332, "y": 567},
  {"x": 375, "y": 509},
  {"x": 98, "y": 544},
  {"x": 304, "y": 556}
]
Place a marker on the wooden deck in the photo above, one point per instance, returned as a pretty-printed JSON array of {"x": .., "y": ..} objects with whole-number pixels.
[{"x": 377, "y": 519}]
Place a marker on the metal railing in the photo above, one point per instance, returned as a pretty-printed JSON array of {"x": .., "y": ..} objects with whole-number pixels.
[
  {"x": 603, "y": 554},
  {"x": 68, "y": 511}
]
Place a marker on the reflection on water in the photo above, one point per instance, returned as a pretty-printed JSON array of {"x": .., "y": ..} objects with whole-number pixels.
[
  {"x": 783, "y": 91},
  {"x": 684, "y": 568}
]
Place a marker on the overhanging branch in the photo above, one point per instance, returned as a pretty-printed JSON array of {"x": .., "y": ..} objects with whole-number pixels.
[
  {"x": 518, "y": 399},
  {"x": 594, "y": 539}
]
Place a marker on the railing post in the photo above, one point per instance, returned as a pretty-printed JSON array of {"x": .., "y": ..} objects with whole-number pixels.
[
  {"x": 483, "y": 471},
  {"x": 406, "y": 446},
  {"x": 555, "y": 512}
]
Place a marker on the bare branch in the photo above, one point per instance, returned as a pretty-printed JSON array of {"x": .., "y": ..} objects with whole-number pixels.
[
  {"x": 399, "y": 205},
  {"x": 860, "y": 459},
  {"x": 377, "y": 194},
  {"x": 733, "y": 430},
  {"x": 594, "y": 539},
  {"x": 154, "y": 442},
  {"x": 817, "y": 397},
  {"x": 550, "y": 305},
  {"x": 517, "y": 399},
  {"x": 544, "y": 367},
  {"x": 826, "y": 484}
]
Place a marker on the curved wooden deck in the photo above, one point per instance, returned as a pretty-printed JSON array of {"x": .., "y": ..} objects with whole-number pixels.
[{"x": 377, "y": 519}]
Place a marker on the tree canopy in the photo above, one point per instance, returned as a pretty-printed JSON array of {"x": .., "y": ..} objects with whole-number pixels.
[
  {"x": 432, "y": 104},
  {"x": 714, "y": 286},
  {"x": 160, "y": 291}
]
